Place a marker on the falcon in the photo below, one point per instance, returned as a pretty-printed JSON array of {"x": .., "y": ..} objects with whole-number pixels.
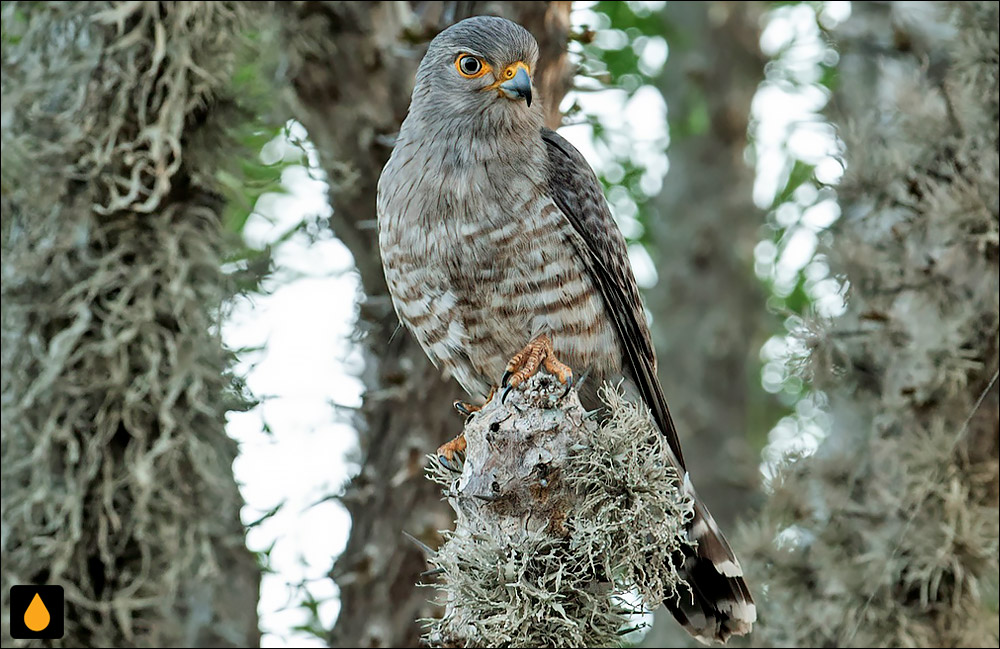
[{"x": 501, "y": 257}]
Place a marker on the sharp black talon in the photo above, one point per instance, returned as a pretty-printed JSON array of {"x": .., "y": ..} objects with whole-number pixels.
[
  {"x": 488, "y": 499},
  {"x": 506, "y": 377},
  {"x": 432, "y": 572},
  {"x": 464, "y": 409},
  {"x": 446, "y": 463},
  {"x": 573, "y": 382},
  {"x": 569, "y": 386},
  {"x": 506, "y": 391}
]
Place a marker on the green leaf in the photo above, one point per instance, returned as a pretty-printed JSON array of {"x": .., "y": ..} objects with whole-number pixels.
[
  {"x": 798, "y": 300},
  {"x": 800, "y": 173},
  {"x": 830, "y": 76}
]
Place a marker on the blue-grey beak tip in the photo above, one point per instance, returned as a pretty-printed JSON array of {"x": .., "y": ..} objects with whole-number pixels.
[{"x": 519, "y": 87}]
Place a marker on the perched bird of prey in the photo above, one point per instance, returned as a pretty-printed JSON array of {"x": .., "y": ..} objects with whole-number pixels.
[{"x": 501, "y": 256}]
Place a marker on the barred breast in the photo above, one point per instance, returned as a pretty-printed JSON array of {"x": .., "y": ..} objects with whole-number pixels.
[{"x": 479, "y": 274}]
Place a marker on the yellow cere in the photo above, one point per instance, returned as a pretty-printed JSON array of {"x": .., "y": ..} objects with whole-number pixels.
[
  {"x": 512, "y": 69},
  {"x": 507, "y": 74}
]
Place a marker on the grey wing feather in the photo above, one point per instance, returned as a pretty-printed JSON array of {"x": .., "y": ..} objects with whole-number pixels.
[
  {"x": 720, "y": 604},
  {"x": 578, "y": 194}
]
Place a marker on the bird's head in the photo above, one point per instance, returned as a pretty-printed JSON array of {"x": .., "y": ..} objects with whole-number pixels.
[{"x": 480, "y": 67}]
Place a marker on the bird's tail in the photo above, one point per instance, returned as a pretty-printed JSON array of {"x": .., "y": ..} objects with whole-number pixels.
[{"x": 717, "y": 603}]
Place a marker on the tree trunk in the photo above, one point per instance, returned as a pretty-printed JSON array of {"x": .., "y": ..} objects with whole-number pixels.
[
  {"x": 709, "y": 309},
  {"x": 352, "y": 67},
  {"x": 117, "y": 470},
  {"x": 889, "y": 532}
]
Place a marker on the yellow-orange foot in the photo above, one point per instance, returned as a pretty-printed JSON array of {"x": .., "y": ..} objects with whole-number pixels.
[
  {"x": 468, "y": 409},
  {"x": 448, "y": 453},
  {"x": 526, "y": 363}
]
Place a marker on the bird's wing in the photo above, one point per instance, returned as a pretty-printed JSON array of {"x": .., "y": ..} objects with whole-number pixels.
[
  {"x": 720, "y": 604},
  {"x": 578, "y": 194}
]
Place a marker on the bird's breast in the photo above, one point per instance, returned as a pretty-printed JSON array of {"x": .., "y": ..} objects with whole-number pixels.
[{"x": 476, "y": 280}]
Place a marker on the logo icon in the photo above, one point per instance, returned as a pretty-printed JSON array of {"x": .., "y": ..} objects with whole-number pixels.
[{"x": 36, "y": 612}]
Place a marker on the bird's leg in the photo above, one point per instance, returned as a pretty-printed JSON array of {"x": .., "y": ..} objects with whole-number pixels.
[
  {"x": 468, "y": 409},
  {"x": 446, "y": 452},
  {"x": 538, "y": 353}
]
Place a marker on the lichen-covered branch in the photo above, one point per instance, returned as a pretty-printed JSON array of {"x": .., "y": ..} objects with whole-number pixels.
[{"x": 565, "y": 528}]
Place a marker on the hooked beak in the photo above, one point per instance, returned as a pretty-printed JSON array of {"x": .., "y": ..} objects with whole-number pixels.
[{"x": 519, "y": 85}]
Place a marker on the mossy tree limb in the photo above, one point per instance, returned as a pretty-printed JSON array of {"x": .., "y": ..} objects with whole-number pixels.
[{"x": 566, "y": 526}]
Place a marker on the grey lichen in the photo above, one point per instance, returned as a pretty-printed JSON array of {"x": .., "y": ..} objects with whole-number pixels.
[
  {"x": 888, "y": 535},
  {"x": 566, "y": 526}
]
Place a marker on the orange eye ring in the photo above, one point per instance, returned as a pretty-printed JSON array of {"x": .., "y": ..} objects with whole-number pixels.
[{"x": 471, "y": 67}]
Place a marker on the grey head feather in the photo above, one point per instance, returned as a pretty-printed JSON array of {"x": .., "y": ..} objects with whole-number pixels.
[
  {"x": 445, "y": 100},
  {"x": 463, "y": 151},
  {"x": 498, "y": 40}
]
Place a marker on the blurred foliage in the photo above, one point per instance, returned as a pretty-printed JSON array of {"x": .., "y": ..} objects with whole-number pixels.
[
  {"x": 612, "y": 60},
  {"x": 803, "y": 69},
  {"x": 243, "y": 186},
  {"x": 797, "y": 75},
  {"x": 887, "y": 534}
]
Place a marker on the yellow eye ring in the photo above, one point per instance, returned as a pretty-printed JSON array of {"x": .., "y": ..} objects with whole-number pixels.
[{"x": 471, "y": 67}]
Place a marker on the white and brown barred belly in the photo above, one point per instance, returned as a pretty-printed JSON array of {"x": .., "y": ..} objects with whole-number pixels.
[{"x": 476, "y": 288}]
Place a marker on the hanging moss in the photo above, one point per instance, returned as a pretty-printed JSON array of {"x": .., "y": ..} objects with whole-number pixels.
[
  {"x": 117, "y": 477},
  {"x": 887, "y": 536}
]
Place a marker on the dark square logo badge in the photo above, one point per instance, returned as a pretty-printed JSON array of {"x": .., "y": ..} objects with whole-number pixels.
[{"x": 36, "y": 612}]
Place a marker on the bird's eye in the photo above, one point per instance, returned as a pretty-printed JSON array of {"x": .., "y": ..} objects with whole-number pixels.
[{"x": 470, "y": 66}]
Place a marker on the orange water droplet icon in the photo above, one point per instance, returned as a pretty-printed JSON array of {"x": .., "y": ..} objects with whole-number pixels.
[{"x": 37, "y": 616}]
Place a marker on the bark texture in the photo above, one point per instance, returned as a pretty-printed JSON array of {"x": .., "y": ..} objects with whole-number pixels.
[
  {"x": 352, "y": 67},
  {"x": 887, "y": 536},
  {"x": 117, "y": 471}
]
